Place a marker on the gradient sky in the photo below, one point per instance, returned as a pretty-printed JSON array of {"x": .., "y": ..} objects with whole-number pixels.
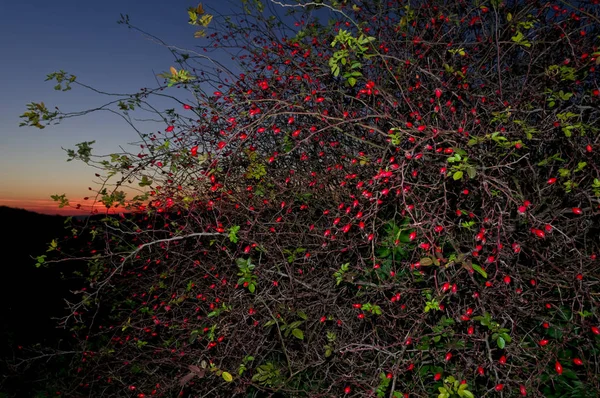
[{"x": 81, "y": 37}]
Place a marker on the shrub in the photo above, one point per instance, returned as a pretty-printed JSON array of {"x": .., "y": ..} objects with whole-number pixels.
[{"x": 388, "y": 203}]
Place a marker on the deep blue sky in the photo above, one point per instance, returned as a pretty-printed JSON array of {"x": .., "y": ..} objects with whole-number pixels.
[{"x": 81, "y": 37}]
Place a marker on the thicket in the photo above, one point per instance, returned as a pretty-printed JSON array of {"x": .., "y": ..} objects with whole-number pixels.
[{"x": 374, "y": 198}]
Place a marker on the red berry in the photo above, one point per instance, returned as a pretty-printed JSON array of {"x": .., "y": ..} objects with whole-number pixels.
[
  {"x": 522, "y": 390},
  {"x": 558, "y": 367},
  {"x": 577, "y": 210},
  {"x": 577, "y": 361},
  {"x": 539, "y": 233},
  {"x": 595, "y": 330},
  {"x": 551, "y": 180},
  {"x": 543, "y": 342},
  {"x": 499, "y": 387},
  {"x": 347, "y": 390}
]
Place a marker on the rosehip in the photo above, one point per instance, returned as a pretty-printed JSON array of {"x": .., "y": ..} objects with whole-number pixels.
[
  {"x": 558, "y": 367},
  {"x": 522, "y": 390}
]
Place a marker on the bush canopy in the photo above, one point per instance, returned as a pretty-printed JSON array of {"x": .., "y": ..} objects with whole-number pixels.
[{"x": 372, "y": 198}]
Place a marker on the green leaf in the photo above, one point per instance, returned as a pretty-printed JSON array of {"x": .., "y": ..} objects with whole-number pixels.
[
  {"x": 479, "y": 270},
  {"x": 227, "y": 377},
  {"x": 467, "y": 394},
  {"x": 569, "y": 374},
  {"x": 501, "y": 343},
  {"x": 251, "y": 287},
  {"x": 352, "y": 81},
  {"x": 457, "y": 175},
  {"x": 233, "y": 233},
  {"x": 40, "y": 260},
  {"x": 426, "y": 261},
  {"x": 205, "y": 20},
  {"x": 145, "y": 182},
  {"x": 299, "y": 334},
  {"x": 471, "y": 172},
  {"x": 302, "y": 314}
]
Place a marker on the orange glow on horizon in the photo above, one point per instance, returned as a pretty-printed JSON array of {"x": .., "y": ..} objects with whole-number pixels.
[{"x": 50, "y": 207}]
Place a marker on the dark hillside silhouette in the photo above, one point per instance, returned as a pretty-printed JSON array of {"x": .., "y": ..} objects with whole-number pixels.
[{"x": 31, "y": 297}]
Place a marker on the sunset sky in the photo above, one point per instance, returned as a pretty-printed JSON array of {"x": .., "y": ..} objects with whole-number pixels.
[{"x": 81, "y": 37}]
